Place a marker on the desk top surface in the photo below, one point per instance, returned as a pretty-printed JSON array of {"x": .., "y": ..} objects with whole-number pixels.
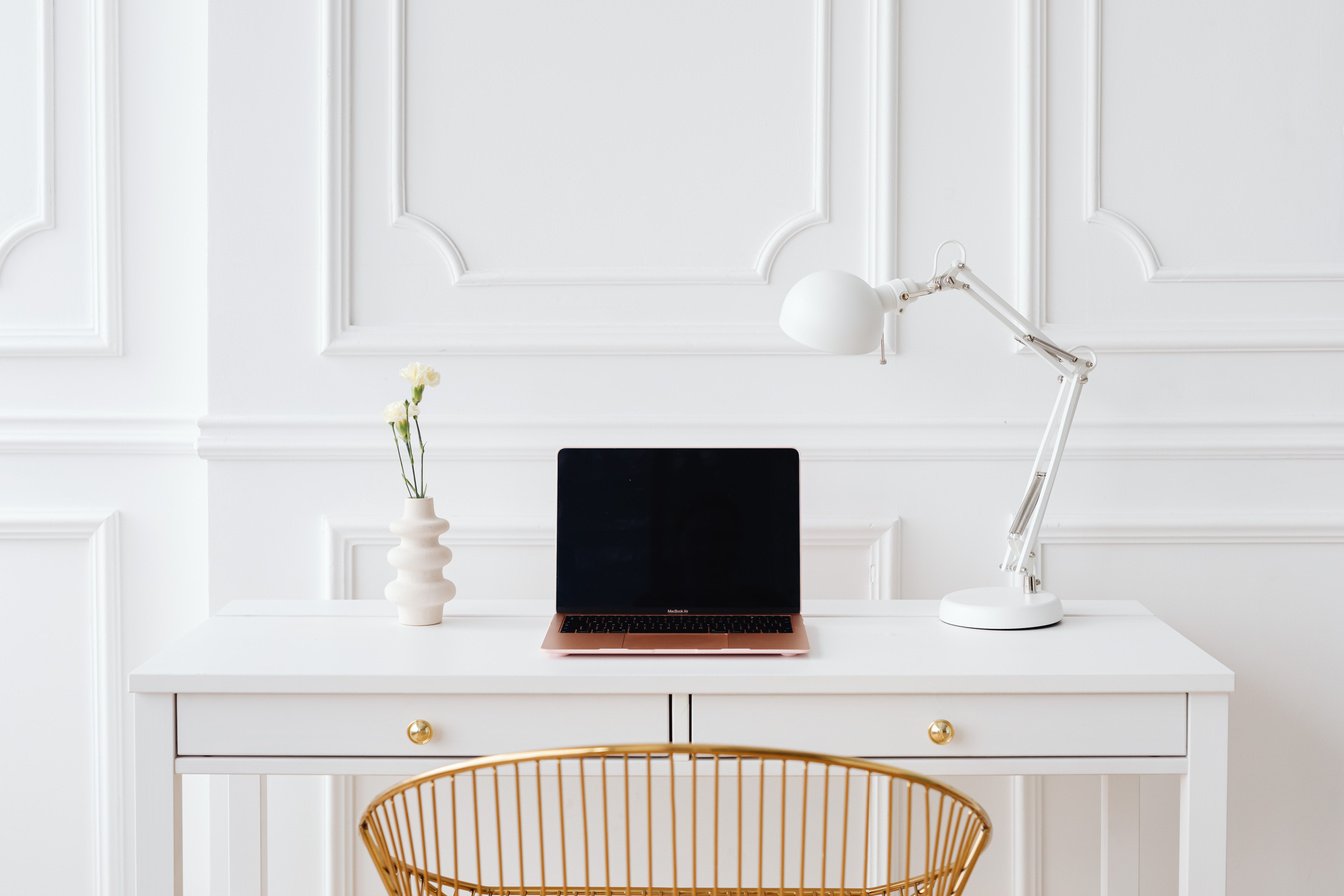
[{"x": 482, "y": 647}]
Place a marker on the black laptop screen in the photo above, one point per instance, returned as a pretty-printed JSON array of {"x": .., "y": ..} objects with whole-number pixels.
[{"x": 697, "y": 530}]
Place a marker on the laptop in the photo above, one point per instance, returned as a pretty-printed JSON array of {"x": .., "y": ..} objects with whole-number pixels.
[{"x": 677, "y": 550}]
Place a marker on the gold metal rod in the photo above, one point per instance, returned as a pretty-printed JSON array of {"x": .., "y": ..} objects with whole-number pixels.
[
  {"x": 541, "y": 828},
  {"x": 583, "y": 804},
  {"x": 891, "y": 830},
  {"x": 909, "y": 827},
  {"x": 452, "y": 795},
  {"x": 499, "y": 828},
  {"x": 942, "y": 835},
  {"x": 518, "y": 812},
  {"x": 760, "y": 832},
  {"x": 628, "y": 872},
  {"x": 560, "y": 800},
  {"x": 927, "y": 836},
  {"x": 672, "y": 809},
  {"x": 695, "y": 822},
  {"x": 409, "y": 845},
  {"x": 420, "y": 810},
  {"x": 648, "y": 810},
  {"x": 825, "y": 819},
  {"x": 741, "y": 859},
  {"x": 783, "y": 815},
  {"x": 802, "y": 836},
  {"x": 844, "y": 834},
  {"x": 476, "y": 827},
  {"x": 716, "y": 827},
  {"x": 867, "y": 820}
]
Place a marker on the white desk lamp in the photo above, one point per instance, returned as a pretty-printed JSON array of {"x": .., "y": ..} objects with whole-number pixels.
[{"x": 840, "y": 313}]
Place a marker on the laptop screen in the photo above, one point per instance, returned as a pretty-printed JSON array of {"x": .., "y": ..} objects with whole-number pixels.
[{"x": 669, "y": 530}]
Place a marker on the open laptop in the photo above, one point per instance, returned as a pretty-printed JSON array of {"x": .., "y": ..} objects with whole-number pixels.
[{"x": 677, "y": 550}]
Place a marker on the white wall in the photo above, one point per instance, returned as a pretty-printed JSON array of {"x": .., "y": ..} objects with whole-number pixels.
[
  {"x": 102, "y": 377},
  {"x": 586, "y": 214}
]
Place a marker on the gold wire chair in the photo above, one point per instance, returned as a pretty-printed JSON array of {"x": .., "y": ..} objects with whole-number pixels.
[{"x": 727, "y": 820}]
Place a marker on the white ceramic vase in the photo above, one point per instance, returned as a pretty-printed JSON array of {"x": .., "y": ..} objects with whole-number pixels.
[{"x": 419, "y": 590}]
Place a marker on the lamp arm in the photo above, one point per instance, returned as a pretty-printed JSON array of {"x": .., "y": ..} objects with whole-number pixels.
[{"x": 1021, "y": 560}]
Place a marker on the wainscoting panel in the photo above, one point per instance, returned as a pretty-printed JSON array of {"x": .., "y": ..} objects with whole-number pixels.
[
  {"x": 1168, "y": 205},
  {"x": 583, "y": 197},
  {"x": 842, "y": 559},
  {"x": 67, "y": 797},
  {"x": 60, "y": 253}
]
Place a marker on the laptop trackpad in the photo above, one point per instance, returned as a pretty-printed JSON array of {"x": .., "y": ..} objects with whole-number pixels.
[{"x": 675, "y": 642}]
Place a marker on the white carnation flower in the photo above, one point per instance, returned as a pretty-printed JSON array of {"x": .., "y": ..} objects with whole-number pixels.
[
  {"x": 395, "y": 412},
  {"x": 420, "y": 375}
]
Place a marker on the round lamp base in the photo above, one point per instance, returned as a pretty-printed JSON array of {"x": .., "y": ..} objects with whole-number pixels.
[{"x": 1000, "y": 608}]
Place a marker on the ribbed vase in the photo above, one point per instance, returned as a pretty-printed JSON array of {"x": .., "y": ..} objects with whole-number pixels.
[{"x": 420, "y": 590}]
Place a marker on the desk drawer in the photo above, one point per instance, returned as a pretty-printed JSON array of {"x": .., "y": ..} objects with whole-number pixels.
[
  {"x": 463, "y": 725},
  {"x": 984, "y": 725}
]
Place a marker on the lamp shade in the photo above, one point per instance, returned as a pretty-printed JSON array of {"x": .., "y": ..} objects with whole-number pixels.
[{"x": 833, "y": 311}]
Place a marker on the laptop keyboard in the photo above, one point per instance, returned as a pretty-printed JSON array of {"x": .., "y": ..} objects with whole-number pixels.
[{"x": 677, "y": 625}]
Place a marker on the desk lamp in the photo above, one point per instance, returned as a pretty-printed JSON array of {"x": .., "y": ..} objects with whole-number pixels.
[{"x": 837, "y": 312}]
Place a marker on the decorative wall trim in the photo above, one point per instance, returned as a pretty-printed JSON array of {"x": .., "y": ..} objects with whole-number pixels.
[
  {"x": 341, "y": 535},
  {"x": 1244, "y": 334},
  {"x": 33, "y": 434},
  {"x": 340, "y": 336},
  {"x": 353, "y": 438},
  {"x": 757, "y": 272},
  {"x": 100, "y": 531},
  {"x": 103, "y": 336},
  {"x": 1190, "y": 528},
  {"x": 1096, "y": 213},
  {"x": 1195, "y": 528},
  {"x": 1027, "y": 833},
  {"x": 43, "y": 217},
  {"x": 339, "y": 840},
  {"x": 882, "y": 539}
]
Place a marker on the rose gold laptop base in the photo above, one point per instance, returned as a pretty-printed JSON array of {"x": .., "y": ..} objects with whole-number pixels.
[{"x": 792, "y": 643}]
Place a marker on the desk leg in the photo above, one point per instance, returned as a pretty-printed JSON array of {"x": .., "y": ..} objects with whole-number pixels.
[
  {"x": 158, "y": 798},
  {"x": 238, "y": 835},
  {"x": 1203, "y": 867}
]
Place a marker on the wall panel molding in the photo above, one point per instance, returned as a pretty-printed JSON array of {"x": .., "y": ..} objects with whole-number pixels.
[
  {"x": 1095, "y": 211},
  {"x": 103, "y": 336},
  {"x": 99, "y": 530},
  {"x": 1194, "y": 528},
  {"x": 340, "y": 336},
  {"x": 43, "y": 216},
  {"x": 756, "y": 270},
  {"x": 1262, "y": 333},
  {"x": 342, "y": 535},
  {"x": 354, "y": 438},
  {"x": 87, "y": 434}
]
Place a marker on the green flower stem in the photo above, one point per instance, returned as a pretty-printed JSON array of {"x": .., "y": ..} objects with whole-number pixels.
[
  {"x": 423, "y": 487},
  {"x": 397, "y": 447},
  {"x": 410, "y": 455}
]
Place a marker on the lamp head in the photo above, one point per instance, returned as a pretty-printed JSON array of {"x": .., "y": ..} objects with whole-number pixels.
[{"x": 833, "y": 311}]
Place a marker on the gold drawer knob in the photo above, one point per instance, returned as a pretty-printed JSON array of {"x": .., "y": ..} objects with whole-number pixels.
[
  {"x": 420, "y": 731},
  {"x": 941, "y": 732}
]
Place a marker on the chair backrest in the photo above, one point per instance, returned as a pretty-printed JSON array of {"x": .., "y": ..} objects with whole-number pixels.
[{"x": 673, "y": 820}]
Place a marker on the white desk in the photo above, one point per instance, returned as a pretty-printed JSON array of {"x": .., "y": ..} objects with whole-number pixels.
[{"x": 315, "y": 687}]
